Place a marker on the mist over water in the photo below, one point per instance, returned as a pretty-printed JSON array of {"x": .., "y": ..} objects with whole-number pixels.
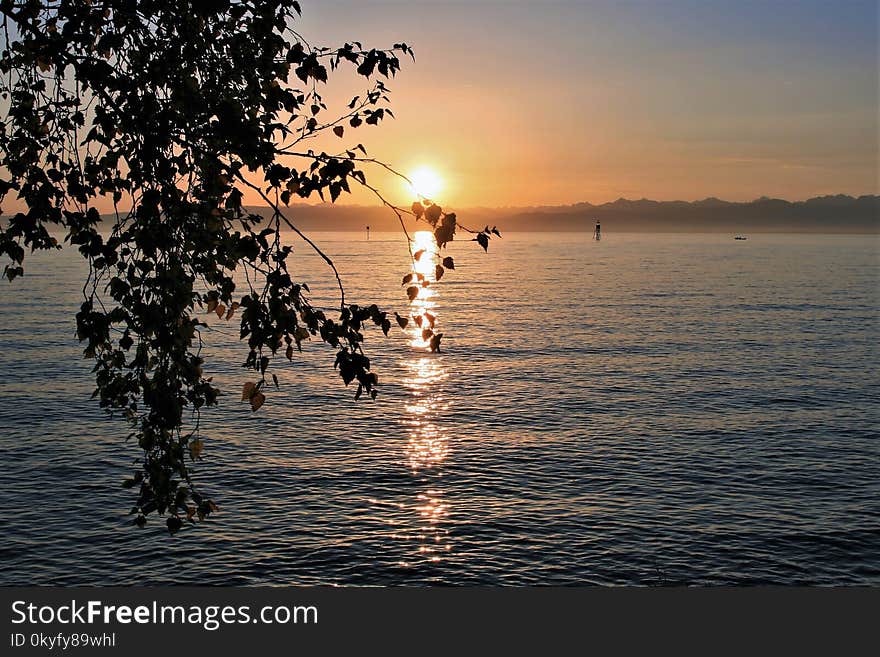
[{"x": 677, "y": 408}]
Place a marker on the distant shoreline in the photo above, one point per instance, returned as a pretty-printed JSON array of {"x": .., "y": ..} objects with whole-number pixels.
[
  {"x": 827, "y": 214},
  {"x": 831, "y": 215}
]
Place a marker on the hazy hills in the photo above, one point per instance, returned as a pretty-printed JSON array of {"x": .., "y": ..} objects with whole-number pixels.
[{"x": 824, "y": 214}]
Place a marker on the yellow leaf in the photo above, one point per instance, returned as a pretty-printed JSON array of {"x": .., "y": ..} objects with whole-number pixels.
[
  {"x": 220, "y": 310},
  {"x": 248, "y": 391},
  {"x": 257, "y": 400},
  {"x": 212, "y": 305},
  {"x": 232, "y": 309},
  {"x": 196, "y": 447}
]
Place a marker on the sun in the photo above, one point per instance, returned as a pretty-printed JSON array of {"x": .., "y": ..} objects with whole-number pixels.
[{"x": 425, "y": 182}]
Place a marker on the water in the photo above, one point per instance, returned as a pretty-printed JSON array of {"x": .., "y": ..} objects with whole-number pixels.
[{"x": 685, "y": 409}]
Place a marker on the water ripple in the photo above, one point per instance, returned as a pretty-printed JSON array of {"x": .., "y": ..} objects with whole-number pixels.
[{"x": 647, "y": 410}]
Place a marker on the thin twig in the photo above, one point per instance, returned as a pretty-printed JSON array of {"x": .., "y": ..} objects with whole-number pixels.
[{"x": 308, "y": 241}]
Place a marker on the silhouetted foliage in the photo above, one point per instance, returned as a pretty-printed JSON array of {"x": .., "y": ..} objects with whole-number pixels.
[{"x": 169, "y": 110}]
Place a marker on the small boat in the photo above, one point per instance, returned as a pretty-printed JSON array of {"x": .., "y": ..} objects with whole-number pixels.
[{"x": 740, "y": 237}]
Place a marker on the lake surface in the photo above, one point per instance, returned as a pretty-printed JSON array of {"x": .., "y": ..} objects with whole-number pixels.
[{"x": 680, "y": 409}]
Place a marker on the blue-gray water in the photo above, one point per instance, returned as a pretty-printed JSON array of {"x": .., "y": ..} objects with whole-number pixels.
[{"x": 679, "y": 408}]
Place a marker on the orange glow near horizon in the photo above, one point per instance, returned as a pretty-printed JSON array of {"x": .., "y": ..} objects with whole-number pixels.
[
  {"x": 612, "y": 100},
  {"x": 666, "y": 101}
]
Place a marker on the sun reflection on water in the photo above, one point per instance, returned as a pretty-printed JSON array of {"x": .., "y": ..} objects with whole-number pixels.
[
  {"x": 427, "y": 449},
  {"x": 424, "y": 306},
  {"x": 428, "y": 446}
]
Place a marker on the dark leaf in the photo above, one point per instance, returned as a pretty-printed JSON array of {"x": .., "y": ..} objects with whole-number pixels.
[
  {"x": 432, "y": 214},
  {"x": 257, "y": 400}
]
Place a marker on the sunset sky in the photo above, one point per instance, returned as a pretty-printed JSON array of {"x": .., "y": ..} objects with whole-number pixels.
[{"x": 527, "y": 103}]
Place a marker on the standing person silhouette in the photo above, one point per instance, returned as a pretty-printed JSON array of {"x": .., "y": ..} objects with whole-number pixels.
[{"x": 597, "y": 235}]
